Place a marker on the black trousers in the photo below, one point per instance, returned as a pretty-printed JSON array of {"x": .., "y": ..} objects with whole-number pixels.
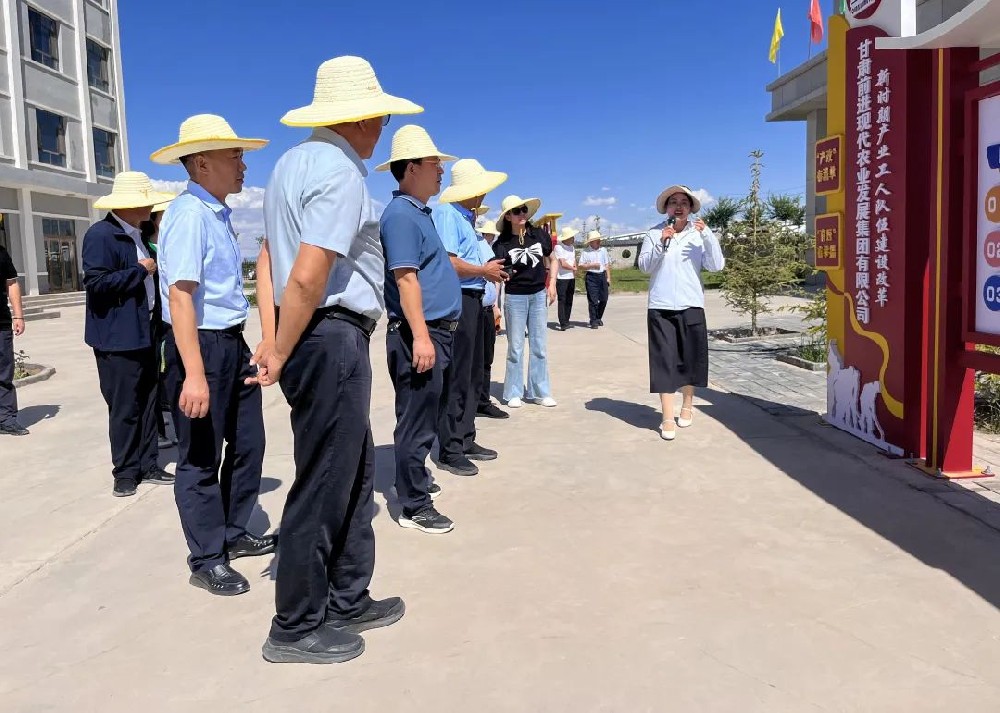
[
  {"x": 597, "y": 294},
  {"x": 128, "y": 384},
  {"x": 489, "y": 350},
  {"x": 457, "y": 424},
  {"x": 216, "y": 489},
  {"x": 326, "y": 552},
  {"x": 8, "y": 396},
  {"x": 420, "y": 397},
  {"x": 564, "y": 290}
]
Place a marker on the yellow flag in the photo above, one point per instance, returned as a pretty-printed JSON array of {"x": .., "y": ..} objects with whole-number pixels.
[{"x": 779, "y": 32}]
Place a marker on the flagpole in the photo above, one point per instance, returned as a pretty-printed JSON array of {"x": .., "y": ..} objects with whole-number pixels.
[{"x": 810, "y": 39}]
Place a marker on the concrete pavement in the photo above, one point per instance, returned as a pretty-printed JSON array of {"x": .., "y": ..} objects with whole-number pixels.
[{"x": 754, "y": 564}]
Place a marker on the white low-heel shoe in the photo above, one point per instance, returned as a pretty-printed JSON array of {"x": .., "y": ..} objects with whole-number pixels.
[
  {"x": 548, "y": 402},
  {"x": 514, "y": 403},
  {"x": 686, "y": 422},
  {"x": 667, "y": 435}
]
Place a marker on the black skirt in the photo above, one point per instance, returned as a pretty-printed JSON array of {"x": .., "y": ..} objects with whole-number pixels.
[{"x": 678, "y": 349}]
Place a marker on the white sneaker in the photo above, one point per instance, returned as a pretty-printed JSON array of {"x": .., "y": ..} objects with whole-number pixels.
[
  {"x": 515, "y": 403},
  {"x": 548, "y": 402}
]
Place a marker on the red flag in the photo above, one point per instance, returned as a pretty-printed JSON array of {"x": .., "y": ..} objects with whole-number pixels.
[{"x": 816, "y": 22}]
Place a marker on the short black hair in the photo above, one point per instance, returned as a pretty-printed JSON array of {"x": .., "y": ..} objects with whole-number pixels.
[{"x": 398, "y": 168}]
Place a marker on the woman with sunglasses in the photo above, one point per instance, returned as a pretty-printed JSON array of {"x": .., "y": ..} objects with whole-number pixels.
[
  {"x": 677, "y": 336},
  {"x": 525, "y": 250}
]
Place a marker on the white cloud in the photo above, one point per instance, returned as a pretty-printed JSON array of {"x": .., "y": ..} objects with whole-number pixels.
[
  {"x": 706, "y": 198},
  {"x": 608, "y": 227},
  {"x": 605, "y": 188},
  {"x": 599, "y": 200}
]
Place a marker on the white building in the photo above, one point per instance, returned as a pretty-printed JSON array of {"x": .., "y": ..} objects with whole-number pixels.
[{"x": 62, "y": 131}]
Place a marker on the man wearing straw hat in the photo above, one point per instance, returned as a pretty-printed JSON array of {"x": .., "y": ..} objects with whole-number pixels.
[
  {"x": 121, "y": 298},
  {"x": 455, "y": 219},
  {"x": 207, "y": 358},
  {"x": 491, "y": 326},
  {"x": 423, "y": 300},
  {"x": 328, "y": 273}
]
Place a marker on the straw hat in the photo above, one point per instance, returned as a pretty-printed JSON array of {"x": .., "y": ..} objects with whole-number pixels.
[
  {"x": 511, "y": 202},
  {"x": 160, "y": 207},
  {"x": 488, "y": 227},
  {"x": 661, "y": 200},
  {"x": 469, "y": 180},
  {"x": 592, "y": 236},
  {"x": 204, "y": 132},
  {"x": 482, "y": 210},
  {"x": 131, "y": 189},
  {"x": 568, "y": 234},
  {"x": 347, "y": 90},
  {"x": 412, "y": 141}
]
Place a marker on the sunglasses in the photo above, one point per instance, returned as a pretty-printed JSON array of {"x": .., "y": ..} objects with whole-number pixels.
[
  {"x": 520, "y": 210},
  {"x": 385, "y": 119}
]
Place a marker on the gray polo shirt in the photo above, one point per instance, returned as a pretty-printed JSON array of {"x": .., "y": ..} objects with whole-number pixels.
[{"x": 317, "y": 195}]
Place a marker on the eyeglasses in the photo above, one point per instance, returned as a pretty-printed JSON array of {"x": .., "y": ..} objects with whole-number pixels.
[{"x": 520, "y": 210}]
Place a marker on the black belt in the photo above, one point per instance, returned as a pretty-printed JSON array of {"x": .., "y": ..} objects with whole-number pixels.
[
  {"x": 469, "y": 292},
  {"x": 446, "y": 325},
  {"x": 236, "y": 330},
  {"x": 365, "y": 324}
]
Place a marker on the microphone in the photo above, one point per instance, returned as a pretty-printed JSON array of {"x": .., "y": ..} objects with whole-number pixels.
[{"x": 670, "y": 223}]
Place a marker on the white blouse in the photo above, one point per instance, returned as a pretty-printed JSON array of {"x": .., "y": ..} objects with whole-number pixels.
[{"x": 675, "y": 267}]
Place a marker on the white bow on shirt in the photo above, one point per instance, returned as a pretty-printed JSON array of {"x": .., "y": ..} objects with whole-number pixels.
[{"x": 530, "y": 255}]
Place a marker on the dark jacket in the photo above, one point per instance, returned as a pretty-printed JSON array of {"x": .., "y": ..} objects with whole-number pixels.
[{"x": 117, "y": 318}]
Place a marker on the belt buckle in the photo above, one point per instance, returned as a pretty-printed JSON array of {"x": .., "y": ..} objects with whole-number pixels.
[{"x": 453, "y": 326}]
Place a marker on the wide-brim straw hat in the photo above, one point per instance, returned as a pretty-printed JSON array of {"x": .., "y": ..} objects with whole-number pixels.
[
  {"x": 470, "y": 180},
  {"x": 131, "y": 189},
  {"x": 511, "y": 202},
  {"x": 489, "y": 227},
  {"x": 412, "y": 141},
  {"x": 592, "y": 236},
  {"x": 482, "y": 210},
  {"x": 162, "y": 206},
  {"x": 568, "y": 234},
  {"x": 661, "y": 200},
  {"x": 347, "y": 90},
  {"x": 204, "y": 132}
]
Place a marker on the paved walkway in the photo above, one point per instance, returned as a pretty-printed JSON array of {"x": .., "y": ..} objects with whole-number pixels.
[{"x": 758, "y": 563}]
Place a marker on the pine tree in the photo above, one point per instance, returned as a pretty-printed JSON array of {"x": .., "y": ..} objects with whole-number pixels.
[{"x": 763, "y": 256}]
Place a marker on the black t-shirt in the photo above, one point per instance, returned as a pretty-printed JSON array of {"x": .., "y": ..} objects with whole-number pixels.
[
  {"x": 524, "y": 262},
  {"x": 7, "y": 272}
]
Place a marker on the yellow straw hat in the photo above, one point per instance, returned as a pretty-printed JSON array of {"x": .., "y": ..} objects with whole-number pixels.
[
  {"x": 347, "y": 90},
  {"x": 593, "y": 235},
  {"x": 131, "y": 189},
  {"x": 568, "y": 234},
  {"x": 482, "y": 210},
  {"x": 488, "y": 227},
  {"x": 160, "y": 207},
  {"x": 412, "y": 141},
  {"x": 511, "y": 202},
  {"x": 469, "y": 180},
  {"x": 204, "y": 132}
]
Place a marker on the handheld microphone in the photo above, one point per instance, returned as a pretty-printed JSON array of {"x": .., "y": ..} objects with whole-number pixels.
[{"x": 670, "y": 221}]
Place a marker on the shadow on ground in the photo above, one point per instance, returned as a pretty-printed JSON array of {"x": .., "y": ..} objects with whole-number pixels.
[{"x": 30, "y": 415}]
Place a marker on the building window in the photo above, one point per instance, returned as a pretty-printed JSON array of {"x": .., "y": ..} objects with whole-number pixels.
[
  {"x": 104, "y": 153},
  {"x": 51, "y": 138},
  {"x": 44, "y": 38},
  {"x": 57, "y": 228},
  {"x": 97, "y": 66},
  {"x": 4, "y": 240}
]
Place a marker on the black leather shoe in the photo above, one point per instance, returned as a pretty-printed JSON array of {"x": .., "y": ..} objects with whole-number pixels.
[
  {"x": 13, "y": 428},
  {"x": 380, "y": 613},
  {"x": 491, "y": 410},
  {"x": 459, "y": 465},
  {"x": 123, "y": 488},
  {"x": 477, "y": 452},
  {"x": 158, "y": 476},
  {"x": 253, "y": 546},
  {"x": 325, "y": 645},
  {"x": 222, "y": 580}
]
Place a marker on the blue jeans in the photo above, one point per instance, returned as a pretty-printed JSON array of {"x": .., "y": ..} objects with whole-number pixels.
[{"x": 529, "y": 311}]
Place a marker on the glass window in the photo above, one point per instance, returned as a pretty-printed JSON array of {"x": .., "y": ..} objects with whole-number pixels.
[
  {"x": 51, "y": 138},
  {"x": 44, "y": 38},
  {"x": 58, "y": 228},
  {"x": 97, "y": 65},
  {"x": 104, "y": 152}
]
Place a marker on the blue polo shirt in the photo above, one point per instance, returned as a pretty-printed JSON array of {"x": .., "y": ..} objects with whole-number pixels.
[
  {"x": 409, "y": 239},
  {"x": 456, "y": 226},
  {"x": 197, "y": 243}
]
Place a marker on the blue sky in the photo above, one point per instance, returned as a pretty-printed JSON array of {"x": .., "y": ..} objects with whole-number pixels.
[{"x": 593, "y": 107}]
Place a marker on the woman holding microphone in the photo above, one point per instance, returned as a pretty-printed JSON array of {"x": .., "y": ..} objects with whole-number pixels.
[{"x": 678, "y": 338}]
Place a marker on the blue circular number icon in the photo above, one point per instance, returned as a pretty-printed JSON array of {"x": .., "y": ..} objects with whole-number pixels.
[{"x": 991, "y": 293}]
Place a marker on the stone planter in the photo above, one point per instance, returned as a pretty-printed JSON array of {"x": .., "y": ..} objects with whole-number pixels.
[
  {"x": 736, "y": 336},
  {"x": 36, "y": 372},
  {"x": 789, "y": 358}
]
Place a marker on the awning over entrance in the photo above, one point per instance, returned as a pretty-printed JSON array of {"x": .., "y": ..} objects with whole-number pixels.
[{"x": 976, "y": 25}]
